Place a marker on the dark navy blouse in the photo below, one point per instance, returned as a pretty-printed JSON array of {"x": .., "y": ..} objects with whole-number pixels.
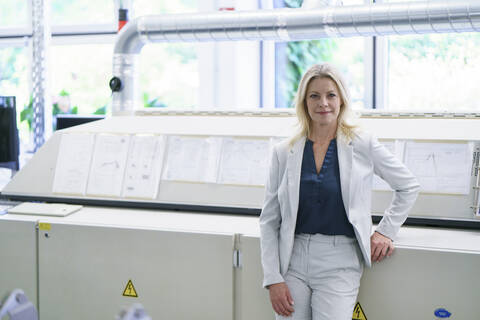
[{"x": 321, "y": 208}]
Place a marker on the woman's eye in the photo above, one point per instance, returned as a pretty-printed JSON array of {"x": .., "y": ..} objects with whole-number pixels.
[
  {"x": 313, "y": 96},
  {"x": 332, "y": 95}
]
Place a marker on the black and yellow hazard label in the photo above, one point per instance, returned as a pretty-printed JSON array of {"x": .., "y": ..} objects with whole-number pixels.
[
  {"x": 358, "y": 313},
  {"x": 130, "y": 290}
]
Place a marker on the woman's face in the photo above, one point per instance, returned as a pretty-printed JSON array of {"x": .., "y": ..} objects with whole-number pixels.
[{"x": 323, "y": 101}]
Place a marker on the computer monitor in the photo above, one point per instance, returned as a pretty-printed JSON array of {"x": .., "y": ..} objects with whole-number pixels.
[
  {"x": 70, "y": 120},
  {"x": 9, "y": 143}
]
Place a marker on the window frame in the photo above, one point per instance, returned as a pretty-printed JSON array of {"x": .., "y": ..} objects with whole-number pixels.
[
  {"x": 375, "y": 61},
  {"x": 371, "y": 63}
]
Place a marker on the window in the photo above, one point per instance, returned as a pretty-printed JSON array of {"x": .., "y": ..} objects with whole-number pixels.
[
  {"x": 435, "y": 72},
  {"x": 432, "y": 72},
  {"x": 14, "y": 79},
  {"x": 346, "y": 54},
  {"x": 79, "y": 84},
  {"x": 13, "y": 13},
  {"x": 169, "y": 72},
  {"x": 82, "y": 12},
  {"x": 147, "y": 7},
  {"x": 169, "y": 75},
  {"x": 294, "y": 58}
]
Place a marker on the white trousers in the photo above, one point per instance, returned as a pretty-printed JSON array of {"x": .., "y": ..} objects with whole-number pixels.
[{"x": 324, "y": 277}]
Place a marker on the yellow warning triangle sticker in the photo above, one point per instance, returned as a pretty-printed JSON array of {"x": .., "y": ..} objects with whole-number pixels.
[
  {"x": 358, "y": 313},
  {"x": 130, "y": 290}
]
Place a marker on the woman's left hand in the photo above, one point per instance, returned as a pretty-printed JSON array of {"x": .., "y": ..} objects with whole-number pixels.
[{"x": 381, "y": 246}]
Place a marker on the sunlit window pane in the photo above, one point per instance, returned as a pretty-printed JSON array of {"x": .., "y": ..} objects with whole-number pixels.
[
  {"x": 14, "y": 81},
  {"x": 80, "y": 77},
  {"x": 147, "y": 7},
  {"x": 82, "y": 12},
  {"x": 169, "y": 75},
  {"x": 434, "y": 72},
  {"x": 13, "y": 13},
  {"x": 345, "y": 54}
]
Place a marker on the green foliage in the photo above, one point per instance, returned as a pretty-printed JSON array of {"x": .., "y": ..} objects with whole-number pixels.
[
  {"x": 101, "y": 111},
  {"x": 301, "y": 55},
  {"x": 152, "y": 103},
  {"x": 27, "y": 114},
  {"x": 64, "y": 93},
  {"x": 7, "y": 65},
  {"x": 56, "y": 108},
  {"x": 438, "y": 47}
]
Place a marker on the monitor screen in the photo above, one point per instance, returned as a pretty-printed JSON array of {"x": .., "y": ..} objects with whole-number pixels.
[
  {"x": 9, "y": 144},
  {"x": 70, "y": 120}
]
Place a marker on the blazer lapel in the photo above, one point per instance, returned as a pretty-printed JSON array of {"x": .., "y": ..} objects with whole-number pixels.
[
  {"x": 294, "y": 167},
  {"x": 345, "y": 161}
]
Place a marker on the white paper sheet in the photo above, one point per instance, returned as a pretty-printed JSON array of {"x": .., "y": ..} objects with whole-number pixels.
[
  {"x": 440, "y": 167},
  {"x": 396, "y": 148},
  {"x": 144, "y": 166},
  {"x": 192, "y": 159},
  {"x": 108, "y": 165},
  {"x": 244, "y": 161},
  {"x": 73, "y": 163}
]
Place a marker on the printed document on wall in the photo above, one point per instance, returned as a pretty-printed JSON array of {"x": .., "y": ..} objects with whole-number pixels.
[
  {"x": 73, "y": 163},
  {"x": 396, "y": 148},
  {"x": 144, "y": 166},
  {"x": 440, "y": 167},
  {"x": 244, "y": 161},
  {"x": 108, "y": 165},
  {"x": 193, "y": 159}
]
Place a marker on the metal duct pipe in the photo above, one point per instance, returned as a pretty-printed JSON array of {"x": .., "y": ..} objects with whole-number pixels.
[{"x": 287, "y": 25}]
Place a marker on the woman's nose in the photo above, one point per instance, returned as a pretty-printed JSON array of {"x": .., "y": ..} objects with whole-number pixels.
[{"x": 323, "y": 101}]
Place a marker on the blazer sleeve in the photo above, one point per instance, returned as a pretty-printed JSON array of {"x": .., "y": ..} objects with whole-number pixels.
[
  {"x": 403, "y": 183},
  {"x": 270, "y": 220}
]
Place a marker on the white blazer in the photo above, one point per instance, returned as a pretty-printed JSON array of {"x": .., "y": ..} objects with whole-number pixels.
[{"x": 358, "y": 160}]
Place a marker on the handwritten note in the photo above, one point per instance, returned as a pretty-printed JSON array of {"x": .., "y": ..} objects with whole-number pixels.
[
  {"x": 193, "y": 159},
  {"x": 108, "y": 165},
  {"x": 73, "y": 163},
  {"x": 440, "y": 167},
  {"x": 244, "y": 161},
  {"x": 144, "y": 166}
]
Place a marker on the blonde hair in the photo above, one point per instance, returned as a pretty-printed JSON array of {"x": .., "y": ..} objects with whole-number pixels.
[{"x": 344, "y": 125}]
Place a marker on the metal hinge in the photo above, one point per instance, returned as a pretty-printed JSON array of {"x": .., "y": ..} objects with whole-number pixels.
[
  {"x": 237, "y": 259},
  {"x": 476, "y": 185},
  {"x": 237, "y": 254}
]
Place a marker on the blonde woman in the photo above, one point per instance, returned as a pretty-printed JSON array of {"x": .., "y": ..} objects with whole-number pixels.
[{"x": 316, "y": 222}]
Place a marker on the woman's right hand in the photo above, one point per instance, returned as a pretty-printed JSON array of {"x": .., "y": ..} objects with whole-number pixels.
[{"x": 281, "y": 299}]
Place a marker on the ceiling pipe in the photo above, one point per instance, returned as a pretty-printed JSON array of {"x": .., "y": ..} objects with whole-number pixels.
[{"x": 377, "y": 19}]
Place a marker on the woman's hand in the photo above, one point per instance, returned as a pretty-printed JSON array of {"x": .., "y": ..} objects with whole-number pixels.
[
  {"x": 381, "y": 246},
  {"x": 281, "y": 299}
]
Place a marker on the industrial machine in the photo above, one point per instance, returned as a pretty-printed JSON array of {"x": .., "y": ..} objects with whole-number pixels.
[
  {"x": 175, "y": 235},
  {"x": 161, "y": 207}
]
